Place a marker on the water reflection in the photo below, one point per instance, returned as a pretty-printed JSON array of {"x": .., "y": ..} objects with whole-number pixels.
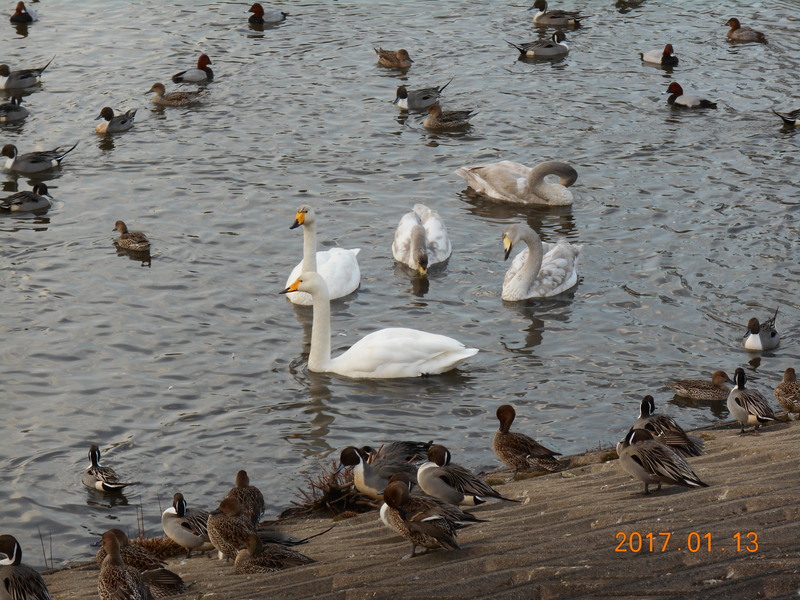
[
  {"x": 538, "y": 312},
  {"x": 539, "y": 217},
  {"x": 143, "y": 257},
  {"x": 719, "y": 410}
]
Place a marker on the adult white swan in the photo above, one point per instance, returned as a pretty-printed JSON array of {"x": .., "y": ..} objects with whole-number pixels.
[
  {"x": 420, "y": 240},
  {"x": 513, "y": 182},
  {"x": 383, "y": 354},
  {"x": 542, "y": 269},
  {"x": 339, "y": 267}
]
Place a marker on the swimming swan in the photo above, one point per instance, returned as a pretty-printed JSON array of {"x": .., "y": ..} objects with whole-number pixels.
[
  {"x": 420, "y": 240},
  {"x": 513, "y": 182}
]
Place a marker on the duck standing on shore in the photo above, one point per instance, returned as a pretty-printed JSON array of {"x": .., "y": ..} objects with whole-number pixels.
[{"x": 748, "y": 406}]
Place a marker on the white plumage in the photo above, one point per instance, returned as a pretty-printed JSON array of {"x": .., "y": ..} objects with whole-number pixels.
[{"x": 420, "y": 240}]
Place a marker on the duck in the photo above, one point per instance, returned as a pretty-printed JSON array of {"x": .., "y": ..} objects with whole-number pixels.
[
  {"x": 255, "y": 557},
  {"x": 420, "y": 240},
  {"x": 511, "y": 181},
  {"x": 133, "y": 555},
  {"x": 418, "y": 100},
  {"x": 787, "y": 392},
  {"x": 33, "y": 162},
  {"x": 451, "y": 482},
  {"x": 162, "y": 98},
  {"x": 542, "y": 269},
  {"x": 553, "y": 46},
  {"x": 337, "y": 266},
  {"x": 449, "y": 119},
  {"x": 130, "y": 240},
  {"x": 519, "y": 451},
  {"x": 370, "y": 479},
  {"x": 737, "y": 33},
  {"x": 19, "y": 581},
  {"x": 554, "y": 17},
  {"x": 33, "y": 201},
  {"x": 644, "y": 457},
  {"x": 666, "y": 430},
  {"x": 100, "y": 478},
  {"x": 187, "y": 527},
  {"x": 393, "y": 59},
  {"x": 384, "y": 354},
  {"x": 790, "y": 118},
  {"x": 228, "y": 528},
  {"x": 117, "y": 580},
  {"x": 665, "y": 58},
  {"x": 114, "y": 123},
  {"x": 678, "y": 98},
  {"x": 13, "y": 111},
  {"x": 250, "y": 497},
  {"x": 400, "y": 451},
  {"x": 24, "y": 78},
  {"x": 716, "y": 389},
  {"x": 200, "y": 74},
  {"x": 22, "y": 14},
  {"x": 761, "y": 336},
  {"x": 748, "y": 406},
  {"x": 265, "y": 17}
]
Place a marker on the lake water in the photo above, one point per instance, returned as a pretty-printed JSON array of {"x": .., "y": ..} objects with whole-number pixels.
[{"x": 193, "y": 367}]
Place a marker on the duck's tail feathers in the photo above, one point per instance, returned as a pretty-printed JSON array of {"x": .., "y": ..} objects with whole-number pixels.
[
  {"x": 446, "y": 84},
  {"x": 47, "y": 65},
  {"x": 520, "y": 48}
]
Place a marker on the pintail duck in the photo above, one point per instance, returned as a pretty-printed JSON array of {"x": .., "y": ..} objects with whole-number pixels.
[
  {"x": 418, "y": 100},
  {"x": 228, "y": 528},
  {"x": 130, "y": 240},
  {"x": 787, "y": 392},
  {"x": 402, "y": 452},
  {"x": 737, "y": 33},
  {"x": 421, "y": 527},
  {"x": 186, "y": 526},
  {"x": 255, "y": 557},
  {"x": 251, "y": 498},
  {"x": 33, "y": 162},
  {"x": 678, "y": 98},
  {"x": 790, "y": 118},
  {"x": 393, "y": 59},
  {"x": 24, "y": 78},
  {"x": 513, "y": 182},
  {"x": 104, "y": 479},
  {"x": 666, "y": 430},
  {"x": 23, "y": 14},
  {"x": 450, "y": 119},
  {"x": 554, "y": 46},
  {"x": 133, "y": 555},
  {"x": 112, "y": 123},
  {"x": 761, "y": 336},
  {"x": 117, "y": 580},
  {"x": 420, "y": 240},
  {"x": 265, "y": 17},
  {"x": 371, "y": 479},
  {"x": 451, "y": 482},
  {"x": 201, "y": 74},
  {"x": 748, "y": 406},
  {"x": 648, "y": 460},
  {"x": 337, "y": 266},
  {"x": 19, "y": 581},
  {"x": 517, "y": 450},
  {"x": 161, "y": 98},
  {"x": 717, "y": 389},
  {"x": 33, "y": 201},
  {"x": 665, "y": 58},
  {"x": 11, "y": 112},
  {"x": 554, "y": 17}
]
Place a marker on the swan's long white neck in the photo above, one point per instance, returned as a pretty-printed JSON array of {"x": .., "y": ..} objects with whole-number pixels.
[
  {"x": 309, "y": 247},
  {"x": 320, "y": 355},
  {"x": 530, "y": 270},
  {"x": 554, "y": 194}
]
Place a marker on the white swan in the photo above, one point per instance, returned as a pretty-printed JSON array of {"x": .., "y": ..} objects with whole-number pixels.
[
  {"x": 420, "y": 240},
  {"x": 513, "y": 182},
  {"x": 339, "y": 267},
  {"x": 383, "y": 354},
  {"x": 542, "y": 269}
]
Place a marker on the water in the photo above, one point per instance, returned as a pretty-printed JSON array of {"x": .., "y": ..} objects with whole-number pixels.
[{"x": 191, "y": 368}]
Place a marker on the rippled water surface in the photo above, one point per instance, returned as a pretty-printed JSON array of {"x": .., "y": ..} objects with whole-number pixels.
[{"x": 193, "y": 367}]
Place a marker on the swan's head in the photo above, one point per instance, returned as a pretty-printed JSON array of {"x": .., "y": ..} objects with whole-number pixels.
[
  {"x": 309, "y": 282},
  {"x": 303, "y": 216},
  {"x": 506, "y": 414}
]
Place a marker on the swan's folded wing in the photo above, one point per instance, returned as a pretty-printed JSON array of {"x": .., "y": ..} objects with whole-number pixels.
[{"x": 401, "y": 247}]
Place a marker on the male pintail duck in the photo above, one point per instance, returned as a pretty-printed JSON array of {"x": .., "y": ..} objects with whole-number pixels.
[
  {"x": 418, "y": 100},
  {"x": 33, "y": 201},
  {"x": 666, "y": 430},
  {"x": 737, "y": 33},
  {"x": 519, "y": 451},
  {"x": 265, "y": 17},
  {"x": 228, "y": 528},
  {"x": 134, "y": 555},
  {"x": 371, "y": 479},
  {"x": 23, "y": 14},
  {"x": 255, "y": 557},
  {"x": 761, "y": 336},
  {"x": 790, "y": 118},
  {"x": 787, "y": 392},
  {"x": 451, "y": 482},
  {"x": 514, "y": 182},
  {"x": 337, "y": 266},
  {"x": 419, "y": 526},
  {"x": 748, "y": 406},
  {"x": 554, "y": 17},
  {"x": 11, "y": 112},
  {"x": 24, "y": 78},
  {"x": 161, "y": 98},
  {"x": 449, "y": 119},
  {"x": 19, "y": 581},
  {"x": 200, "y": 74},
  {"x": 114, "y": 123},
  {"x": 251, "y": 498},
  {"x": 678, "y": 98},
  {"x": 384, "y": 354},
  {"x": 553, "y": 46},
  {"x": 187, "y": 527},
  {"x": 665, "y": 58},
  {"x": 33, "y": 162},
  {"x": 117, "y": 580},
  {"x": 420, "y": 240},
  {"x": 716, "y": 389},
  {"x": 104, "y": 479},
  {"x": 650, "y": 461},
  {"x": 130, "y": 240},
  {"x": 401, "y": 451},
  {"x": 393, "y": 59}
]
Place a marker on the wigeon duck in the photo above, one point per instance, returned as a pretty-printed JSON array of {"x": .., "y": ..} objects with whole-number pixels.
[
  {"x": 12, "y": 111},
  {"x": 666, "y": 430},
  {"x": 787, "y": 392},
  {"x": 790, "y": 118},
  {"x": 262, "y": 17},
  {"x": 418, "y": 100},
  {"x": 665, "y": 57},
  {"x": 449, "y": 119},
  {"x": 554, "y": 46},
  {"x": 201, "y": 74},
  {"x": 100, "y": 478},
  {"x": 678, "y": 98},
  {"x": 14, "y": 80},
  {"x": 118, "y": 580},
  {"x": 33, "y": 162},
  {"x": 187, "y": 527},
  {"x": 748, "y": 406},
  {"x": 130, "y": 240},
  {"x": 22, "y": 14},
  {"x": 519, "y": 451},
  {"x": 393, "y": 59},
  {"x": 716, "y": 389},
  {"x": 19, "y": 580},
  {"x": 420, "y": 240},
  {"x": 761, "y": 336},
  {"x": 114, "y": 124},
  {"x": 251, "y": 498},
  {"x": 255, "y": 557},
  {"x": 514, "y": 182},
  {"x": 33, "y": 201},
  {"x": 737, "y": 33},
  {"x": 540, "y": 270},
  {"x": 161, "y": 98},
  {"x": 554, "y": 17}
]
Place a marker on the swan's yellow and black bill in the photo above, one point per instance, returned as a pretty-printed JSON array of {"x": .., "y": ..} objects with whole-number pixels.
[
  {"x": 292, "y": 288},
  {"x": 299, "y": 219},
  {"x": 507, "y": 245}
]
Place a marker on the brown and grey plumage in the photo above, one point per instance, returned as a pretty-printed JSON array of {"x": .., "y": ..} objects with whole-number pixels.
[
  {"x": 255, "y": 557},
  {"x": 370, "y": 479},
  {"x": 117, "y": 581},
  {"x": 228, "y": 527},
  {"x": 517, "y": 450},
  {"x": 401, "y": 451},
  {"x": 134, "y": 555},
  {"x": 100, "y": 478},
  {"x": 666, "y": 430},
  {"x": 393, "y": 59},
  {"x": 787, "y": 392},
  {"x": 450, "y": 119},
  {"x": 130, "y": 240},
  {"x": 251, "y": 498},
  {"x": 18, "y": 581},
  {"x": 186, "y": 526},
  {"x": 163, "y": 583},
  {"x": 748, "y": 406},
  {"x": 162, "y": 98},
  {"x": 716, "y": 389}
]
